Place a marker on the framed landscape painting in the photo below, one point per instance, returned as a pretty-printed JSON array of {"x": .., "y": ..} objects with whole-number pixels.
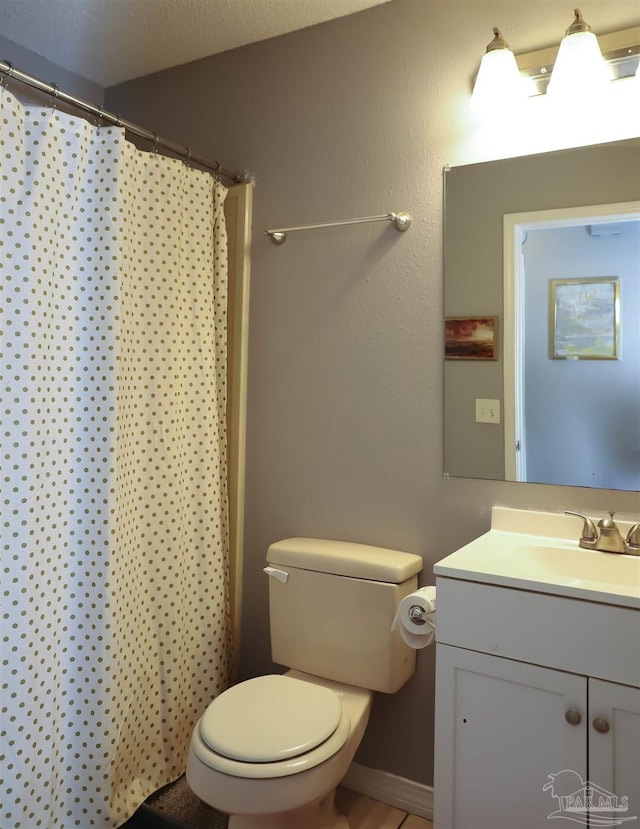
[{"x": 471, "y": 338}]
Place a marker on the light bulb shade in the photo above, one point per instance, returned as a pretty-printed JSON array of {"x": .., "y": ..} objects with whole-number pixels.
[
  {"x": 499, "y": 82},
  {"x": 579, "y": 70}
]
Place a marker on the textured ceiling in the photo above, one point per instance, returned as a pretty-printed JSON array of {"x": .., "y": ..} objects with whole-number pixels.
[{"x": 110, "y": 41}]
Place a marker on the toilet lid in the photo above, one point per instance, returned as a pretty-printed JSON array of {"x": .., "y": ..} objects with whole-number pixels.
[{"x": 270, "y": 718}]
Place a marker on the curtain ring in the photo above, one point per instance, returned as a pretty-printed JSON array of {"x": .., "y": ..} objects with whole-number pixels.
[
  {"x": 54, "y": 94},
  {"x": 155, "y": 142},
  {"x": 5, "y": 75},
  {"x": 189, "y": 154},
  {"x": 118, "y": 121}
]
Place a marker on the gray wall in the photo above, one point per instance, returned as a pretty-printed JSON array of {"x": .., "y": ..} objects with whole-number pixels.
[
  {"x": 582, "y": 417},
  {"x": 356, "y": 117},
  {"x": 31, "y": 63}
]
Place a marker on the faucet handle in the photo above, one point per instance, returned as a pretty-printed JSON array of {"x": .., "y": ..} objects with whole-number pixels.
[
  {"x": 589, "y": 537},
  {"x": 632, "y": 544}
]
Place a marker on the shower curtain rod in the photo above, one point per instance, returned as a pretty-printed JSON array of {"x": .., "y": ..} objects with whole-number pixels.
[
  {"x": 401, "y": 221},
  {"x": 7, "y": 68}
]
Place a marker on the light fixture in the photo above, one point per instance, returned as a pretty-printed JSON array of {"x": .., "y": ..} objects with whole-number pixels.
[
  {"x": 614, "y": 56},
  {"x": 579, "y": 69},
  {"x": 498, "y": 81}
]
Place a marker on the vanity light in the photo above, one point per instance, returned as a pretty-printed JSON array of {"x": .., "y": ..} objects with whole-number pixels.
[
  {"x": 499, "y": 80},
  {"x": 579, "y": 68}
]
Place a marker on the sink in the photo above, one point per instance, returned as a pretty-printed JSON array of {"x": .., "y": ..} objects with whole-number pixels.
[
  {"x": 520, "y": 551},
  {"x": 583, "y": 565}
]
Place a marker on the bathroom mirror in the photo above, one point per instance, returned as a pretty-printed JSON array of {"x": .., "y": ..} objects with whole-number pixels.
[{"x": 573, "y": 446}]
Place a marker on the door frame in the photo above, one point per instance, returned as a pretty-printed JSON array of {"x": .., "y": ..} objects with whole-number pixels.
[{"x": 238, "y": 207}]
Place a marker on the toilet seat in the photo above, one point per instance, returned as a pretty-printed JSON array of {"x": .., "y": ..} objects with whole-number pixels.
[
  {"x": 270, "y": 718},
  {"x": 271, "y": 726}
]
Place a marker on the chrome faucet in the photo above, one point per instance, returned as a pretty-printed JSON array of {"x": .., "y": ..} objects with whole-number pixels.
[
  {"x": 607, "y": 537},
  {"x": 632, "y": 543}
]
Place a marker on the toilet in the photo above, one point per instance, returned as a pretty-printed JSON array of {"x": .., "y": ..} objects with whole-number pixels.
[{"x": 271, "y": 751}]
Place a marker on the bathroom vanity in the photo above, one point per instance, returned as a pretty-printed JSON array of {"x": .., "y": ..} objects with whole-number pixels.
[{"x": 537, "y": 679}]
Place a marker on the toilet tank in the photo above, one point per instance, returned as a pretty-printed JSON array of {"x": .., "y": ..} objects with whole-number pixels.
[{"x": 331, "y": 607}]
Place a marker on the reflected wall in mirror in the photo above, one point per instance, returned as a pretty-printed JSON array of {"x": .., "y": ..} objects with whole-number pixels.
[{"x": 561, "y": 421}]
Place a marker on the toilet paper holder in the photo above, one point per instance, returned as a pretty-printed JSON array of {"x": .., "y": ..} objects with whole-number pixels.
[{"x": 418, "y": 616}]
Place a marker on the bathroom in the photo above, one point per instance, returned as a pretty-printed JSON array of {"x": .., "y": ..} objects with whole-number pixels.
[{"x": 359, "y": 116}]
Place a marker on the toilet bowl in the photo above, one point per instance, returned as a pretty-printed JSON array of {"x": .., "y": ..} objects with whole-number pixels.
[{"x": 270, "y": 751}]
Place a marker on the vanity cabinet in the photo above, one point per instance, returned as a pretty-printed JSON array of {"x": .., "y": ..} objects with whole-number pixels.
[
  {"x": 614, "y": 739},
  {"x": 536, "y": 697}
]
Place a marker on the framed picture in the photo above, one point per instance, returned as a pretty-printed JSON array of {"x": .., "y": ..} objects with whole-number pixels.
[
  {"x": 584, "y": 318},
  {"x": 471, "y": 338}
]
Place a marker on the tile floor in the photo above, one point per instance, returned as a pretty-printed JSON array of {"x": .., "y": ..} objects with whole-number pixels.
[
  {"x": 176, "y": 807},
  {"x": 364, "y": 813}
]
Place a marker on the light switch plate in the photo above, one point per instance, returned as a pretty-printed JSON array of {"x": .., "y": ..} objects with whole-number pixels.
[{"x": 487, "y": 411}]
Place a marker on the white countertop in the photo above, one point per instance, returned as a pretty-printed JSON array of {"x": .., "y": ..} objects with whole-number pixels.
[{"x": 539, "y": 551}]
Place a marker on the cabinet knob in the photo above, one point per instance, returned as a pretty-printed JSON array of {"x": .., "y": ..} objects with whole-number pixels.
[
  {"x": 573, "y": 716},
  {"x": 601, "y": 725}
]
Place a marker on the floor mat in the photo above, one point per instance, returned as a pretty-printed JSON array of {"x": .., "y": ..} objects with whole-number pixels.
[{"x": 176, "y": 807}]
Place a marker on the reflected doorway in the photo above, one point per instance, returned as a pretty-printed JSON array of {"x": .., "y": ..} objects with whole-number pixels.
[{"x": 571, "y": 410}]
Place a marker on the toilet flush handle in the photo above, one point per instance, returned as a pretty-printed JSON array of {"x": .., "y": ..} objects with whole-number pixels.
[{"x": 274, "y": 573}]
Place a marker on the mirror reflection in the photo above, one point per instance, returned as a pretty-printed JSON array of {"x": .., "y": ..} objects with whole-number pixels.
[{"x": 549, "y": 247}]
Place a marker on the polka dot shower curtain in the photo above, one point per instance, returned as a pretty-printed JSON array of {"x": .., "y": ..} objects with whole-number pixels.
[{"x": 115, "y": 623}]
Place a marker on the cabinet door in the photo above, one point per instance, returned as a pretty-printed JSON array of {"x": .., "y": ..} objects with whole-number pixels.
[
  {"x": 614, "y": 746},
  {"x": 501, "y": 730}
]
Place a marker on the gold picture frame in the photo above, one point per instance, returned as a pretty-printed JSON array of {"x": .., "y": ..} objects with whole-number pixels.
[
  {"x": 584, "y": 318},
  {"x": 471, "y": 338}
]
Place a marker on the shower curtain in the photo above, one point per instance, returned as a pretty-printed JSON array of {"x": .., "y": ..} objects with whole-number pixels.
[{"x": 114, "y": 595}]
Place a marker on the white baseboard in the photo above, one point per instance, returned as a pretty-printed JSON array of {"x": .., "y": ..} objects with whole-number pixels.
[{"x": 412, "y": 797}]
